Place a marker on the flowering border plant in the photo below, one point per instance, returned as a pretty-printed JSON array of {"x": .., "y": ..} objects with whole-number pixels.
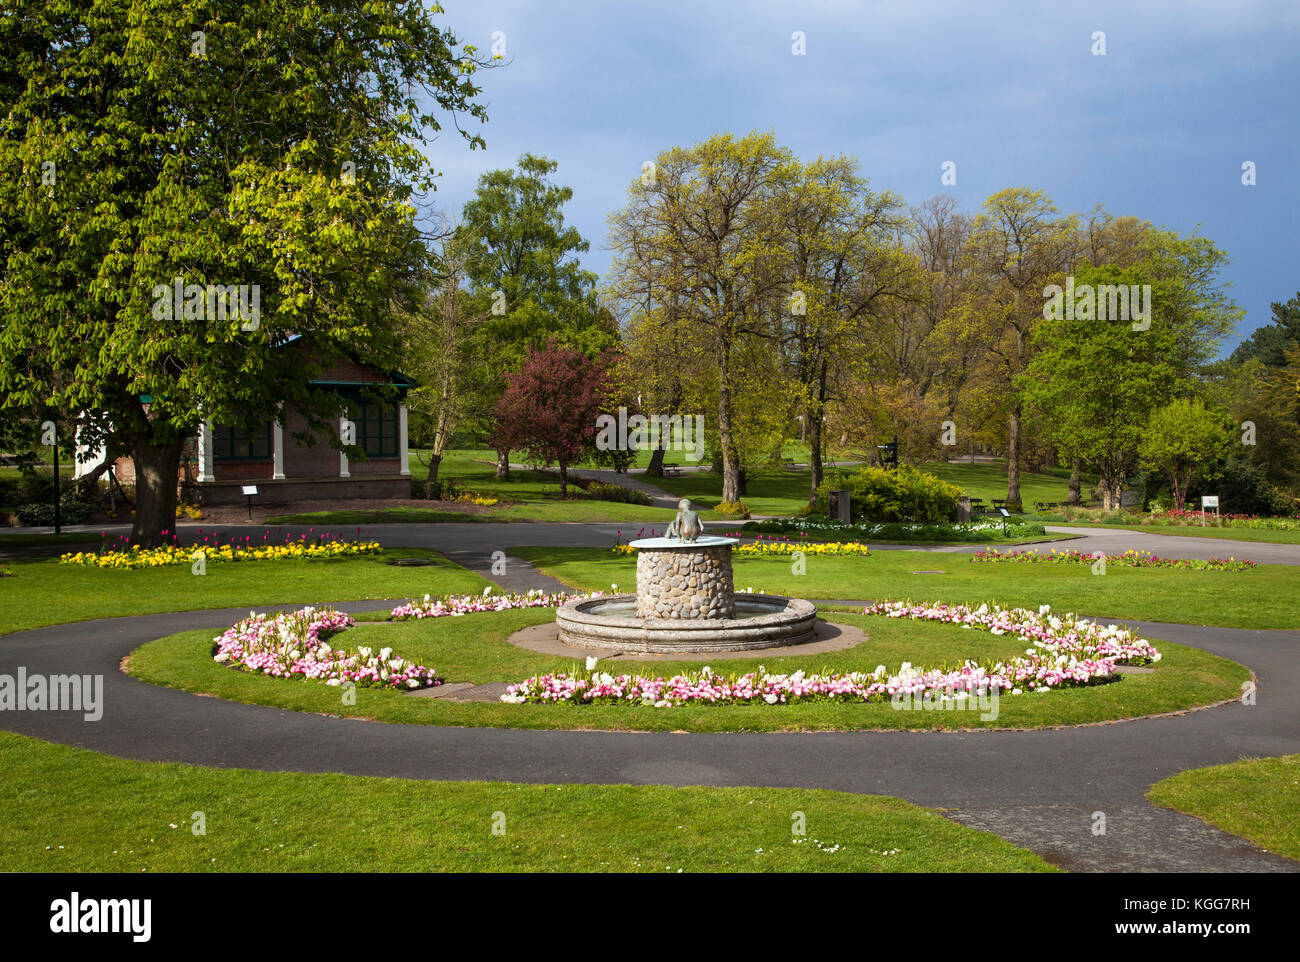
[
  {"x": 121, "y": 554},
  {"x": 456, "y": 605},
  {"x": 293, "y": 645},
  {"x": 1132, "y": 558},
  {"x": 1065, "y": 652}
]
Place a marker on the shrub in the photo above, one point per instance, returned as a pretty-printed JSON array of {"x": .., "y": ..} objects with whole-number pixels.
[
  {"x": 10, "y": 493},
  {"x": 42, "y": 515},
  {"x": 903, "y": 494},
  {"x": 732, "y": 509},
  {"x": 614, "y": 492}
]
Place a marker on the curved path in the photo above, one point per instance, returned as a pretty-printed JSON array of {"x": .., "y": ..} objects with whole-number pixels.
[{"x": 1038, "y": 789}]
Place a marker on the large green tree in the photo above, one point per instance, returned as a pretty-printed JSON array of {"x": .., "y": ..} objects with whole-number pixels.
[
  {"x": 523, "y": 269},
  {"x": 274, "y": 147},
  {"x": 1181, "y": 439},
  {"x": 703, "y": 236}
]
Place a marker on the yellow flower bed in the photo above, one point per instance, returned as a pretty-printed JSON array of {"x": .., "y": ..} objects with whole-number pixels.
[
  {"x": 170, "y": 555},
  {"x": 837, "y": 549}
]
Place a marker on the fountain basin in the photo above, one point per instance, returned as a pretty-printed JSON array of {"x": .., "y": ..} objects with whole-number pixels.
[{"x": 760, "y": 621}]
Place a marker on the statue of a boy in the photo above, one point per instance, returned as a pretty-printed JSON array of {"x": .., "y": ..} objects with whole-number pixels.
[{"x": 686, "y": 526}]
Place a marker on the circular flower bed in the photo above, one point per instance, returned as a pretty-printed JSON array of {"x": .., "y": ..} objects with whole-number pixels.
[
  {"x": 1066, "y": 652},
  {"x": 1131, "y": 558}
]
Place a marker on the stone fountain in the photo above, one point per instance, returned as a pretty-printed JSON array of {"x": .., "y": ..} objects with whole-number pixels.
[{"x": 686, "y": 601}]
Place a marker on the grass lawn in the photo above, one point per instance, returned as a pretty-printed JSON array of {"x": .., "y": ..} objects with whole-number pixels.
[
  {"x": 474, "y": 648},
  {"x": 44, "y": 592},
  {"x": 1262, "y": 598},
  {"x": 72, "y": 810},
  {"x": 1258, "y": 535},
  {"x": 1258, "y": 799}
]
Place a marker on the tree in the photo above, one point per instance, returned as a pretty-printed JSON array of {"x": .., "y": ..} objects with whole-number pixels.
[
  {"x": 704, "y": 234},
  {"x": 551, "y": 405},
  {"x": 1181, "y": 438},
  {"x": 1017, "y": 244},
  {"x": 843, "y": 262},
  {"x": 1270, "y": 342},
  {"x": 230, "y": 146},
  {"x": 1096, "y": 382},
  {"x": 444, "y": 351},
  {"x": 523, "y": 269}
]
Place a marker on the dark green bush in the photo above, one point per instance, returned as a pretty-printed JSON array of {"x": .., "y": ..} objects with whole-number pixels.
[
  {"x": 903, "y": 494},
  {"x": 614, "y": 492},
  {"x": 42, "y": 515}
]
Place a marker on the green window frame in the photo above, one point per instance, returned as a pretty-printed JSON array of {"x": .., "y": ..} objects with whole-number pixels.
[
  {"x": 232, "y": 444},
  {"x": 376, "y": 426}
]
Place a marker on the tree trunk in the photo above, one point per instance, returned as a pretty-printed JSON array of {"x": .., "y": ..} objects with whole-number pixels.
[
  {"x": 1073, "y": 496},
  {"x": 656, "y": 465},
  {"x": 727, "y": 444},
  {"x": 1180, "y": 489},
  {"x": 434, "y": 461},
  {"x": 503, "y": 464},
  {"x": 1013, "y": 460},
  {"x": 814, "y": 454},
  {"x": 564, "y": 480},
  {"x": 156, "y": 468},
  {"x": 813, "y": 415}
]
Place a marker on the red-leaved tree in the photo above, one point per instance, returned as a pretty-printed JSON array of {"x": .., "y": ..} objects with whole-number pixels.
[{"x": 551, "y": 404}]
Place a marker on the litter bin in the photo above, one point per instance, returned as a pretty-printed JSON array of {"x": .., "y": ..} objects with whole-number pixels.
[{"x": 838, "y": 507}]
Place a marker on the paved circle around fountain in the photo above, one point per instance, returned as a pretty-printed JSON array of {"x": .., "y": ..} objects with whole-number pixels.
[{"x": 829, "y": 636}]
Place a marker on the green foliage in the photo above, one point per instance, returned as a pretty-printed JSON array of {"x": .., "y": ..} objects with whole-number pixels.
[
  {"x": 129, "y": 158},
  {"x": 905, "y": 494},
  {"x": 1180, "y": 438},
  {"x": 602, "y": 491},
  {"x": 41, "y": 514}
]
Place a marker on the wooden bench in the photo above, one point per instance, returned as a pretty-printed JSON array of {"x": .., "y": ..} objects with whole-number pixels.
[{"x": 670, "y": 469}]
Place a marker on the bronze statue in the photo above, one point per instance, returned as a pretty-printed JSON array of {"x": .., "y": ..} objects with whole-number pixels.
[{"x": 686, "y": 526}]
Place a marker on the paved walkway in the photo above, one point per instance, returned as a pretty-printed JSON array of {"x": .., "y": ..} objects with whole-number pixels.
[{"x": 1038, "y": 789}]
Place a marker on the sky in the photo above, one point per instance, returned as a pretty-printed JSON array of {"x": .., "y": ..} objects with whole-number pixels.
[{"x": 1011, "y": 93}]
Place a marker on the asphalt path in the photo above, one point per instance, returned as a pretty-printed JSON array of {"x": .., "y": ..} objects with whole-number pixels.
[{"x": 1041, "y": 789}]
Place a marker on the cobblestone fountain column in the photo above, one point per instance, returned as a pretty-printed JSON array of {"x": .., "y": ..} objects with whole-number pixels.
[{"x": 684, "y": 580}]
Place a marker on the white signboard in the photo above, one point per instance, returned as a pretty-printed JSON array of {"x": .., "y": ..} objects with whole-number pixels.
[
  {"x": 1209, "y": 501},
  {"x": 250, "y": 489}
]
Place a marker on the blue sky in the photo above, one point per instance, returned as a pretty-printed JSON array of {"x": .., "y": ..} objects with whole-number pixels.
[{"x": 1158, "y": 127}]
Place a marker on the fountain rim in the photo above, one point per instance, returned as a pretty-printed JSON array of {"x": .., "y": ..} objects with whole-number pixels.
[
  {"x": 672, "y": 544},
  {"x": 783, "y": 611}
]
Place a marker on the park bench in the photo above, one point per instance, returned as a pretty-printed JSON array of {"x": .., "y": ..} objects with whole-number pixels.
[{"x": 670, "y": 469}]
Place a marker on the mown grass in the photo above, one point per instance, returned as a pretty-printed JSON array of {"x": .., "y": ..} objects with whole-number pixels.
[
  {"x": 44, "y": 592},
  {"x": 1260, "y": 598},
  {"x": 474, "y": 648},
  {"x": 71, "y": 810},
  {"x": 1258, "y": 799}
]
